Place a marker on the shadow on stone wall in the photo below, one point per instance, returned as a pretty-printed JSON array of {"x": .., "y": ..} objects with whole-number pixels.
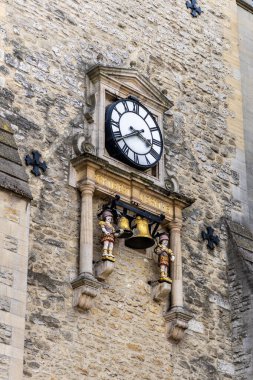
[{"x": 240, "y": 275}]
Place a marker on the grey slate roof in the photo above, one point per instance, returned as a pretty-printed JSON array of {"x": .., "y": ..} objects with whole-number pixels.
[{"x": 12, "y": 174}]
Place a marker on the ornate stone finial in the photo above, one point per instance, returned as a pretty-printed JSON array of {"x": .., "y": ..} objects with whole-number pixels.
[
  {"x": 210, "y": 237},
  {"x": 36, "y": 163},
  {"x": 177, "y": 320}
]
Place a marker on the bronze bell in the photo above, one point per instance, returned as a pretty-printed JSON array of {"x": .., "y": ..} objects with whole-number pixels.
[
  {"x": 123, "y": 224},
  {"x": 141, "y": 238}
]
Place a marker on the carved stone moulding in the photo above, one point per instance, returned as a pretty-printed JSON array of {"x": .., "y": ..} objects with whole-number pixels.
[
  {"x": 177, "y": 320},
  {"x": 85, "y": 289}
]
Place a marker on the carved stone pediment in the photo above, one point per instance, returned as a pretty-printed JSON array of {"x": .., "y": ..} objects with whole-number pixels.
[{"x": 129, "y": 82}]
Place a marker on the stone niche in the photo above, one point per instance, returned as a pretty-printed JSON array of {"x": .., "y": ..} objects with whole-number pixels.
[{"x": 94, "y": 172}]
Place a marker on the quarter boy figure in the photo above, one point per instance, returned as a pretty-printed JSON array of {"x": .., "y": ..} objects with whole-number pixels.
[
  {"x": 165, "y": 255},
  {"x": 108, "y": 235}
]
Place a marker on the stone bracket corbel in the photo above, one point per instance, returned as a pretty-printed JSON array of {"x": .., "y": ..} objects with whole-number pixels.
[
  {"x": 103, "y": 269},
  {"x": 177, "y": 320},
  {"x": 160, "y": 291},
  {"x": 85, "y": 289}
]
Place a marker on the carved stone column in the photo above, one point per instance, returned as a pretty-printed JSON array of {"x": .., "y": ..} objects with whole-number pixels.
[
  {"x": 86, "y": 229},
  {"x": 85, "y": 285},
  {"x": 177, "y": 275},
  {"x": 177, "y": 317}
]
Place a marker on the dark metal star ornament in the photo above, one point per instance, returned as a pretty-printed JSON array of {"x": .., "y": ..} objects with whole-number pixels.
[
  {"x": 195, "y": 10},
  {"x": 36, "y": 163},
  {"x": 210, "y": 237}
]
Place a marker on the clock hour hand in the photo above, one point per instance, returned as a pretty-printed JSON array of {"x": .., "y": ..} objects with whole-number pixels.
[{"x": 134, "y": 133}]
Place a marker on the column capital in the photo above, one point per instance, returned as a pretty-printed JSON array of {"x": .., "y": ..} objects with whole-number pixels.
[{"x": 87, "y": 187}]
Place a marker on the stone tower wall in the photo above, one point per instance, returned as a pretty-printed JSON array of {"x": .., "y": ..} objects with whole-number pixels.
[
  {"x": 14, "y": 222},
  {"x": 46, "y": 47}
]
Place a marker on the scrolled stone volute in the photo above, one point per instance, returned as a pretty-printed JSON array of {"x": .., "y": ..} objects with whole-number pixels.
[{"x": 82, "y": 144}]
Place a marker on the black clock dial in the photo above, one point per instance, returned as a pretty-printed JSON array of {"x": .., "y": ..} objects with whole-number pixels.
[{"x": 132, "y": 135}]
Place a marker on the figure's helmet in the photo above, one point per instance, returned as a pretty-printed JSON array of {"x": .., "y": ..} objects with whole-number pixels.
[
  {"x": 163, "y": 237},
  {"x": 107, "y": 213}
]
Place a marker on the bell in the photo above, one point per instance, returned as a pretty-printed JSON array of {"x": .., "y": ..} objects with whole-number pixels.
[
  {"x": 141, "y": 238},
  {"x": 123, "y": 224}
]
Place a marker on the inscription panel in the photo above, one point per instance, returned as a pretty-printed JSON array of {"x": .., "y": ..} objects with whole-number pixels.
[
  {"x": 116, "y": 187},
  {"x": 144, "y": 198}
]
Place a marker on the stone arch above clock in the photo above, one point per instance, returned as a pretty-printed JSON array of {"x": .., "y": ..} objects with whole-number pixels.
[{"x": 105, "y": 85}]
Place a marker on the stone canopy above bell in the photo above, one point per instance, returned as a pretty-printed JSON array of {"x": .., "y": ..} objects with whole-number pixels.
[{"x": 129, "y": 186}]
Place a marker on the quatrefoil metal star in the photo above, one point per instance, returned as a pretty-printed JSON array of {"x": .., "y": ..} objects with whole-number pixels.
[
  {"x": 195, "y": 10},
  {"x": 210, "y": 237},
  {"x": 36, "y": 163}
]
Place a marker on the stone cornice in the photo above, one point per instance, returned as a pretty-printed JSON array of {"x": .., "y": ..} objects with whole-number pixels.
[{"x": 100, "y": 163}]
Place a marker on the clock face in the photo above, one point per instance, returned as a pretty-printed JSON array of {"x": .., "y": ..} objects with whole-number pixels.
[{"x": 132, "y": 135}]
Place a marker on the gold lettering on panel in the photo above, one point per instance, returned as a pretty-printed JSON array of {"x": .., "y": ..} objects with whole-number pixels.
[
  {"x": 154, "y": 202},
  {"x": 114, "y": 186}
]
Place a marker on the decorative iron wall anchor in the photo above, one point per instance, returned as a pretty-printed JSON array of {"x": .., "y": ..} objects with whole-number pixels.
[
  {"x": 36, "y": 163},
  {"x": 195, "y": 10},
  {"x": 210, "y": 237}
]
